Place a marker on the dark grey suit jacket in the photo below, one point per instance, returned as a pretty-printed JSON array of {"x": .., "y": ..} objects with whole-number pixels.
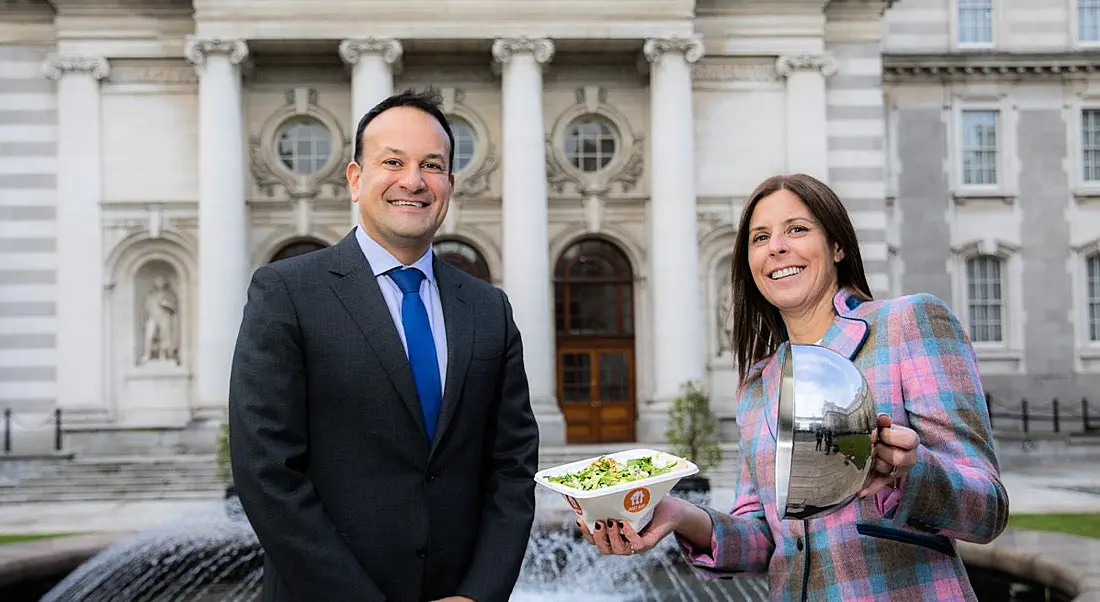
[{"x": 330, "y": 457}]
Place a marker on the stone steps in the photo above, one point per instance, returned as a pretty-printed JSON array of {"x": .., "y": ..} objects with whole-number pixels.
[{"x": 89, "y": 479}]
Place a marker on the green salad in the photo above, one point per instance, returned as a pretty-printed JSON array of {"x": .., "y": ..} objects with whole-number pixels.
[{"x": 606, "y": 472}]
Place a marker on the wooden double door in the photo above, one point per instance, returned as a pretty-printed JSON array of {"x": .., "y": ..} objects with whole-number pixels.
[{"x": 596, "y": 390}]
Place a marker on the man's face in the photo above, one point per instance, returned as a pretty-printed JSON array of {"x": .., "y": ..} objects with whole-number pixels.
[{"x": 403, "y": 185}]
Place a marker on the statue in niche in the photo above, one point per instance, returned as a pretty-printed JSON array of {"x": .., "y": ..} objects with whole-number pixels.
[
  {"x": 159, "y": 323},
  {"x": 725, "y": 318}
]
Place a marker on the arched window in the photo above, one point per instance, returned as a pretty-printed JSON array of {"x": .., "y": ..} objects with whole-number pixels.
[
  {"x": 463, "y": 257},
  {"x": 297, "y": 247},
  {"x": 594, "y": 291}
]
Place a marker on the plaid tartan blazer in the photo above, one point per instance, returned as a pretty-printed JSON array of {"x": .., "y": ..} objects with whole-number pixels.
[{"x": 922, "y": 369}]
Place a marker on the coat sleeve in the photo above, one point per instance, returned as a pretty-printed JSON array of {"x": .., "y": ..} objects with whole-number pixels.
[
  {"x": 742, "y": 542},
  {"x": 511, "y": 460},
  {"x": 268, "y": 449},
  {"x": 955, "y": 488}
]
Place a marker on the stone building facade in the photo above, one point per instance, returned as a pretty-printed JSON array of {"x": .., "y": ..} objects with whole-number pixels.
[{"x": 153, "y": 153}]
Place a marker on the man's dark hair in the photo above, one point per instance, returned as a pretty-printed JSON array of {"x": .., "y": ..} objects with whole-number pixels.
[{"x": 429, "y": 101}]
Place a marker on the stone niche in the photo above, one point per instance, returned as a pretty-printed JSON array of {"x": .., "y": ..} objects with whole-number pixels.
[{"x": 151, "y": 329}]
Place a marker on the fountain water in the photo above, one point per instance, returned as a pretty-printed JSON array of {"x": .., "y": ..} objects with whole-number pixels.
[{"x": 214, "y": 557}]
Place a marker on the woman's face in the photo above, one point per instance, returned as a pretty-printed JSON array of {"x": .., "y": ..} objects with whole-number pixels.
[{"x": 791, "y": 260}]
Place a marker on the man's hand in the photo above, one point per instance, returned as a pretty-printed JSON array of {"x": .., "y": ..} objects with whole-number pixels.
[{"x": 454, "y": 599}]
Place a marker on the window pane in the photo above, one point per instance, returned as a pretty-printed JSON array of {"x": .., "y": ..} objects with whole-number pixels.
[
  {"x": 979, "y": 147},
  {"x": 985, "y": 303},
  {"x": 975, "y": 21}
]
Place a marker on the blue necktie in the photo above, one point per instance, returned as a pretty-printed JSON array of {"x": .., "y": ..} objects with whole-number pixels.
[{"x": 421, "y": 344}]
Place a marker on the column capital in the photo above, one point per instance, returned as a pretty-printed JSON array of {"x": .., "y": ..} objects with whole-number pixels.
[
  {"x": 57, "y": 66},
  {"x": 691, "y": 47},
  {"x": 389, "y": 49},
  {"x": 197, "y": 49},
  {"x": 786, "y": 64},
  {"x": 541, "y": 48}
]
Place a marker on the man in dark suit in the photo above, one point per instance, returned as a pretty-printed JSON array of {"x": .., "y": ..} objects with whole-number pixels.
[{"x": 382, "y": 438}]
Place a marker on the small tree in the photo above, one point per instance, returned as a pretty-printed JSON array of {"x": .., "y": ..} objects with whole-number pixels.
[
  {"x": 693, "y": 428},
  {"x": 221, "y": 457}
]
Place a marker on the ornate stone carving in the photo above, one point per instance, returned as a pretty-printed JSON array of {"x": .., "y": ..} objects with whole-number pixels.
[
  {"x": 159, "y": 323},
  {"x": 57, "y": 66},
  {"x": 691, "y": 47},
  {"x": 152, "y": 72},
  {"x": 741, "y": 71},
  {"x": 271, "y": 176},
  {"x": 389, "y": 49},
  {"x": 631, "y": 170},
  {"x": 541, "y": 48},
  {"x": 477, "y": 181},
  {"x": 724, "y": 319},
  {"x": 197, "y": 50},
  {"x": 557, "y": 176},
  {"x": 784, "y": 65}
]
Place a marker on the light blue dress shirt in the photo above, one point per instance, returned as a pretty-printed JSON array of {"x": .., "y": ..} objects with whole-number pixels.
[{"x": 382, "y": 261}]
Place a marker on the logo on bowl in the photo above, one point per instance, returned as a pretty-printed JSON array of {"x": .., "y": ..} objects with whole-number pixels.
[
  {"x": 576, "y": 506},
  {"x": 636, "y": 499}
]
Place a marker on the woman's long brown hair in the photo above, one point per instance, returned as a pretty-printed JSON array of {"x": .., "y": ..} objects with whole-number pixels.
[{"x": 757, "y": 326}]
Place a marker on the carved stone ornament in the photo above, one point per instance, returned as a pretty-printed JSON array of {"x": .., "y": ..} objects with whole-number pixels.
[
  {"x": 197, "y": 50},
  {"x": 784, "y": 65},
  {"x": 159, "y": 324},
  {"x": 57, "y": 66},
  {"x": 691, "y": 47},
  {"x": 477, "y": 182},
  {"x": 141, "y": 71},
  {"x": 625, "y": 169},
  {"x": 389, "y": 49},
  {"x": 271, "y": 176},
  {"x": 541, "y": 48},
  {"x": 734, "y": 71}
]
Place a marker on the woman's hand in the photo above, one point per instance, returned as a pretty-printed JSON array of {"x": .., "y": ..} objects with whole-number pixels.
[
  {"x": 895, "y": 453},
  {"x": 618, "y": 537}
]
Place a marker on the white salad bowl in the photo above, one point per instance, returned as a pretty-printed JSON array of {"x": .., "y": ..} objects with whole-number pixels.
[{"x": 629, "y": 501}]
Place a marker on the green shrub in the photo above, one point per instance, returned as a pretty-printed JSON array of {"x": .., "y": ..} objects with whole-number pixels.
[{"x": 693, "y": 429}]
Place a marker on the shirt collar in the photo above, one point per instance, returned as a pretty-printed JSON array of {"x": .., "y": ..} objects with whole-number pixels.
[{"x": 382, "y": 261}]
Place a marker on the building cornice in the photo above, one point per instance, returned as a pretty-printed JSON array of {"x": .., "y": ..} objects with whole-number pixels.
[{"x": 989, "y": 65}]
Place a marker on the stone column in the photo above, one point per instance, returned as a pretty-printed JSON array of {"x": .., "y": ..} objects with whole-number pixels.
[
  {"x": 373, "y": 63},
  {"x": 807, "y": 135},
  {"x": 80, "y": 279},
  {"x": 673, "y": 234},
  {"x": 524, "y": 216},
  {"x": 224, "y": 267}
]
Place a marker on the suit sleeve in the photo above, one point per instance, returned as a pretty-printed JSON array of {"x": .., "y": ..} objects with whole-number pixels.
[
  {"x": 955, "y": 488},
  {"x": 269, "y": 444},
  {"x": 742, "y": 542},
  {"x": 512, "y": 460}
]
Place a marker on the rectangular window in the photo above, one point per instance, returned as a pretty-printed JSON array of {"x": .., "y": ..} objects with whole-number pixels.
[
  {"x": 1088, "y": 20},
  {"x": 979, "y": 148},
  {"x": 985, "y": 299},
  {"x": 1090, "y": 145},
  {"x": 975, "y": 21},
  {"x": 1092, "y": 269}
]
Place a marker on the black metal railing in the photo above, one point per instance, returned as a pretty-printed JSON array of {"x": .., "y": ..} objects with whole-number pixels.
[
  {"x": 1076, "y": 418},
  {"x": 10, "y": 418}
]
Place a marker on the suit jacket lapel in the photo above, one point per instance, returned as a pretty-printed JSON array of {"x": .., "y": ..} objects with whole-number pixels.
[
  {"x": 358, "y": 290},
  {"x": 458, "y": 316}
]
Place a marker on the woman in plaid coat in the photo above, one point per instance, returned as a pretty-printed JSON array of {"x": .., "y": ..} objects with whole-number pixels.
[{"x": 798, "y": 276}]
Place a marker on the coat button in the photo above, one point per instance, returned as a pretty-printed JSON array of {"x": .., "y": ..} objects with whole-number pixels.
[
  {"x": 429, "y": 478},
  {"x": 422, "y": 552},
  {"x": 798, "y": 544}
]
